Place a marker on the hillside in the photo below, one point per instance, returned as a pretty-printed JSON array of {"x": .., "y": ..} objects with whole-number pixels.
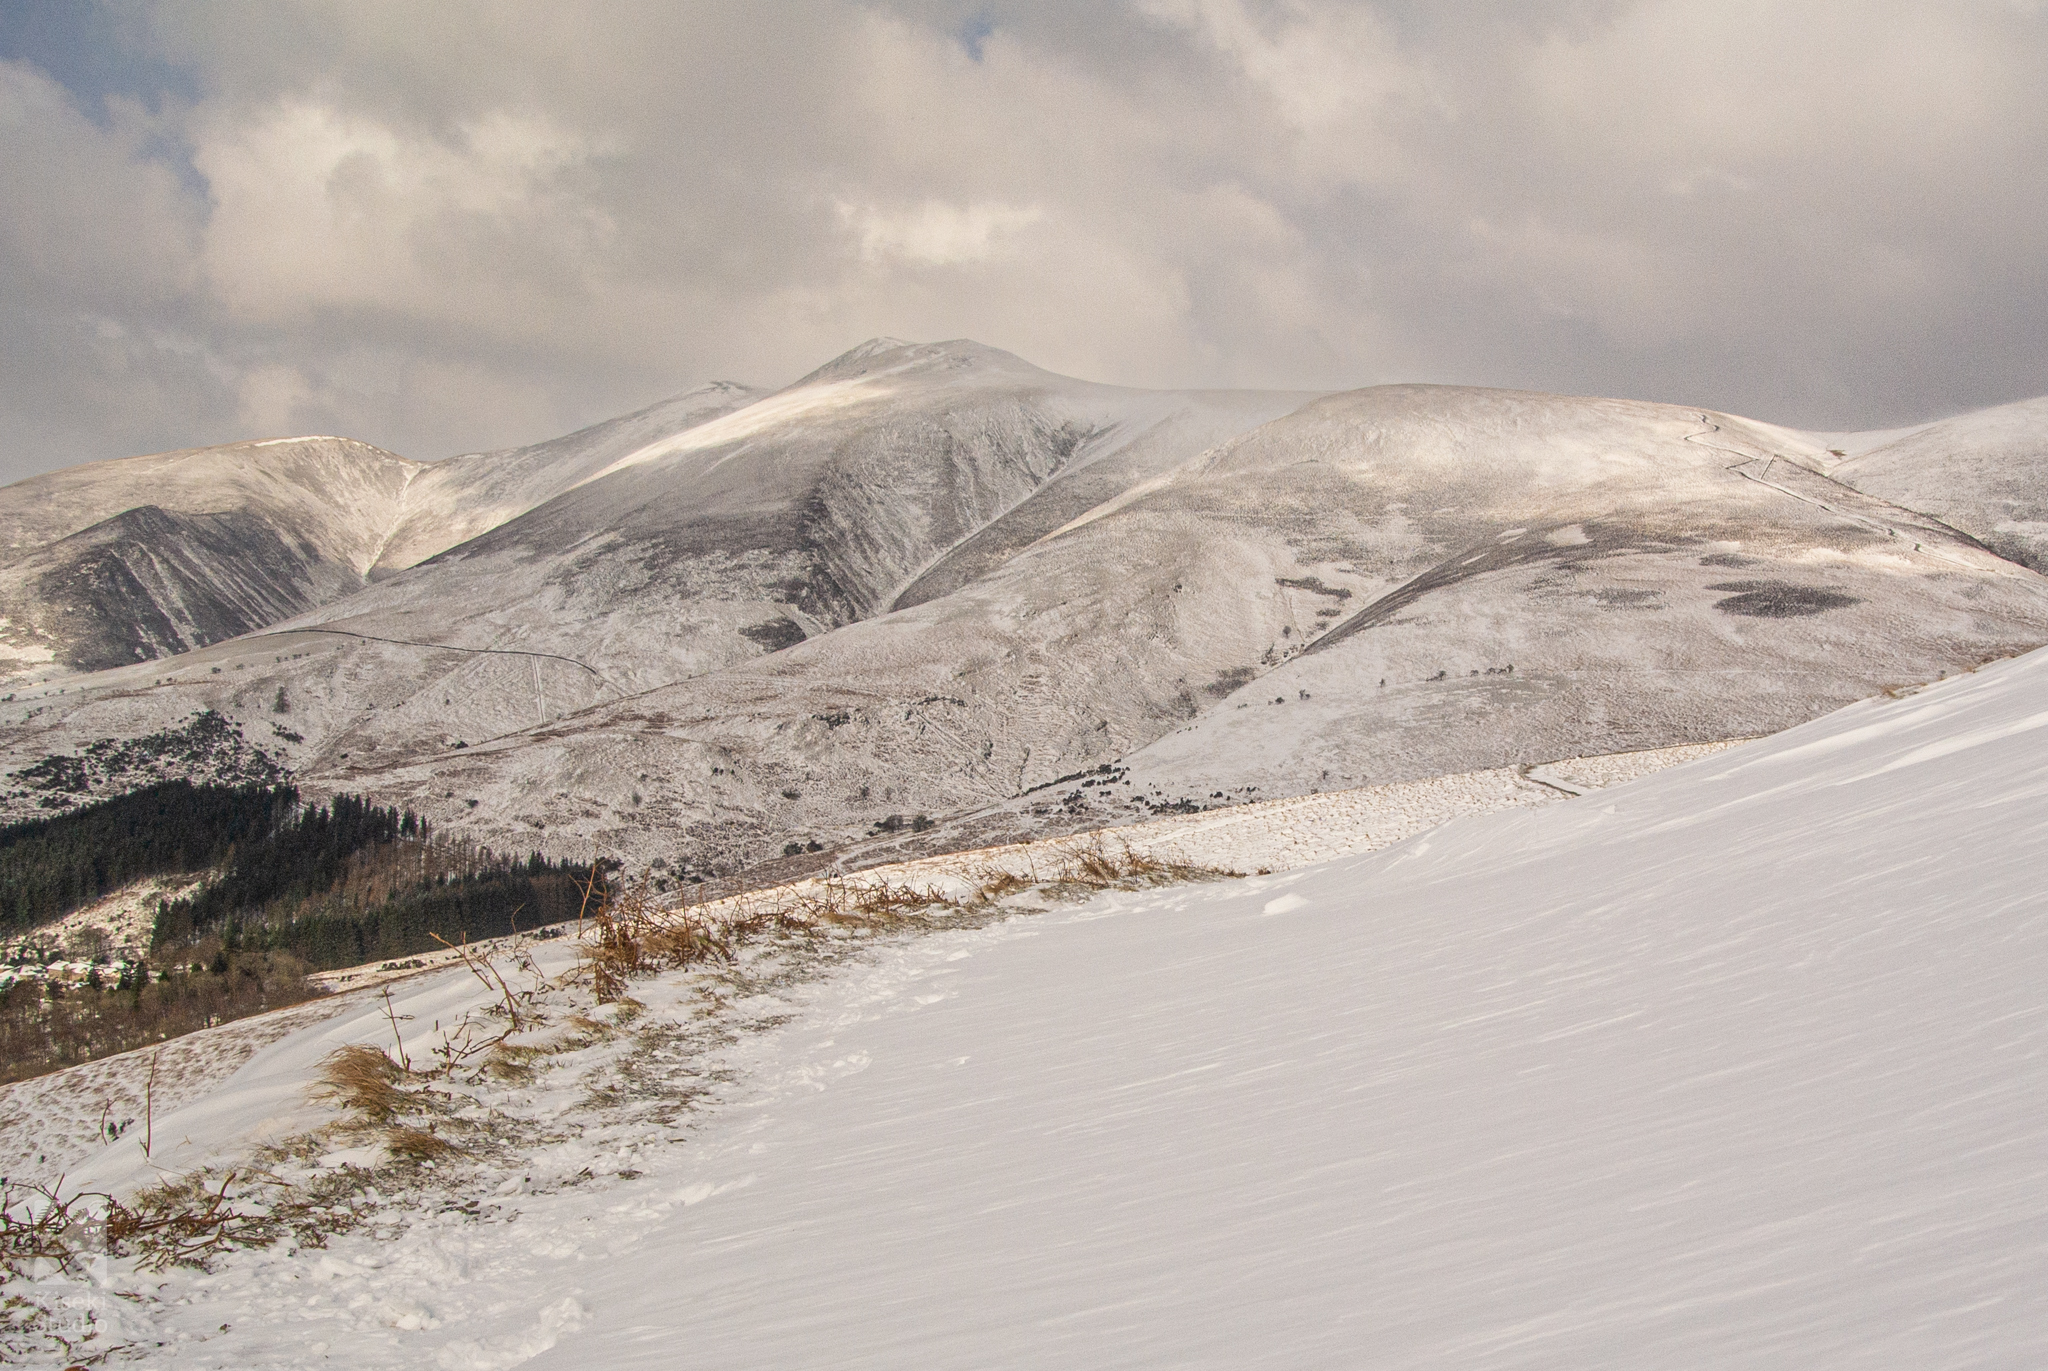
[
  {"x": 1724, "y": 1066},
  {"x": 1986, "y": 473},
  {"x": 935, "y": 580},
  {"x": 117, "y": 562}
]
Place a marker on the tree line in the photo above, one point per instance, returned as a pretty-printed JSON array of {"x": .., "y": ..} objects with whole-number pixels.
[
  {"x": 49, "y": 867},
  {"x": 337, "y": 884}
]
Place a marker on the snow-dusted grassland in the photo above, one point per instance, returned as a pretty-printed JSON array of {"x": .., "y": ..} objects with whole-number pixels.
[{"x": 1737, "y": 1064}]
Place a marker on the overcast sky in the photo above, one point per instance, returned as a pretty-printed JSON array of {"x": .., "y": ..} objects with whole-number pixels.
[{"x": 456, "y": 226}]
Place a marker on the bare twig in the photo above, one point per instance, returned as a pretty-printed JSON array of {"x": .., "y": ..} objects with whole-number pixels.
[
  {"x": 391, "y": 1013},
  {"x": 149, "y": 1105}
]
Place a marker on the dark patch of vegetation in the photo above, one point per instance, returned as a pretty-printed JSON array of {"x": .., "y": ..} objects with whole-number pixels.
[
  {"x": 1314, "y": 586},
  {"x": 209, "y": 748},
  {"x": 774, "y": 634},
  {"x": 337, "y": 884},
  {"x": 354, "y": 882},
  {"x": 1229, "y": 680},
  {"x": 298, "y": 888},
  {"x": 49, "y": 867},
  {"x": 1779, "y": 599},
  {"x": 1114, "y": 772},
  {"x": 46, "y": 1027}
]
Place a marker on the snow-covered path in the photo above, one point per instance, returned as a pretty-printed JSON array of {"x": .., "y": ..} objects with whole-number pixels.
[{"x": 1742, "y": 1065}]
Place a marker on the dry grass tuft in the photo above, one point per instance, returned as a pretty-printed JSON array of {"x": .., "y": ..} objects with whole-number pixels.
[
  {"x": 1096, "y": 863},
  {"x": 361, "y": 1079},
  {"x": 513, "y": 1063},
  {"x": 417, "y": 1144},
  {"x": 634, "y": 935},
  {"x": 992, "y": 883},
  {"x": 853, "y": 903}
]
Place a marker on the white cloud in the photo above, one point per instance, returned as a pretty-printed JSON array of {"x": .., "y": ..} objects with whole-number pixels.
[
  {"x": 1324, "y": 68},
  {"x": 935, "y": 233},
  {"x": 319, "y": 209},
  {"x": 484, "y": 222},
  {"x": 273, "y": 399}
]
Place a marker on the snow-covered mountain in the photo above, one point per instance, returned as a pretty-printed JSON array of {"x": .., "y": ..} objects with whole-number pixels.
[
  {"x": 935, "y": 579},
  {"x": 464, "y": 497},
  {"x": 135, "y": 560},
  {"x": 118, "y": 562}
]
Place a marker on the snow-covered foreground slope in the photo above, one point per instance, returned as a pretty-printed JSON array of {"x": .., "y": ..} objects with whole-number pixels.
[
  {"x": 1736, "y": 1065},
  {"x": 1741, "y": 1065}
]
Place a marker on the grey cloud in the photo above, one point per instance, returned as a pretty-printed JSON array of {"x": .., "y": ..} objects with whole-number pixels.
[{"x": 459, "y": 226}]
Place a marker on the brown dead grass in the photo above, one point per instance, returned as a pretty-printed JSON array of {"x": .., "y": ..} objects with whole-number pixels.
[
  {"x": 184, "y": 1221},
  {"x": 417, "y": 1144},
  {"x": 634, "y": 933},
  {"x": 363, "y": 1080}
]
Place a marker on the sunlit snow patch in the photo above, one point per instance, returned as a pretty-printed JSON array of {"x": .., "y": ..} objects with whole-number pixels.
[{"x": 802, "y": 404}]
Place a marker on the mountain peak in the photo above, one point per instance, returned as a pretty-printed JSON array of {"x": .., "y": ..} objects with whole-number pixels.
[
  {"x": 874, "y": 347},
  {"x": 879, "y": 355}
]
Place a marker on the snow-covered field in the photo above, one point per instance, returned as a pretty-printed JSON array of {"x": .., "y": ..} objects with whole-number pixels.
[{"x": 1739, "y": 1064}]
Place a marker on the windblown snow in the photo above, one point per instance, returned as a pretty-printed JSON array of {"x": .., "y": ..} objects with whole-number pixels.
[{"x": 1736, "y": 1064}]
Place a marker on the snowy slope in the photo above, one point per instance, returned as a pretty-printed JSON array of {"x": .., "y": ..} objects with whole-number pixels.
[
  {"x": 458, "y": 499},
  {"x": 116, "y": 562},
  {"x": 794, "y": 515},
  {"x": 1652, "y": 577},
  {"x": 135, "y": 560},
  {"x": 935, "y": 579},
  {"x": 1736, "y": 1065},
  {"x": 1986, "y": 473}
]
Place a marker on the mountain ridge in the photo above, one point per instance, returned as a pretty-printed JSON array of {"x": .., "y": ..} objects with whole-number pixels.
[{"x": 935, "y": 578}]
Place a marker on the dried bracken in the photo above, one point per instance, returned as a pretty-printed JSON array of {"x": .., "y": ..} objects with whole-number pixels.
[
  {"x": 360, "y": 1079},
  {"x": 417, "y": 1144},
  {"x": 183, "y": 1221}
]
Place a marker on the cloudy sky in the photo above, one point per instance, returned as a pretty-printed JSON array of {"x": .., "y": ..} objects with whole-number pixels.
[{"x": 464, "y": 225}]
